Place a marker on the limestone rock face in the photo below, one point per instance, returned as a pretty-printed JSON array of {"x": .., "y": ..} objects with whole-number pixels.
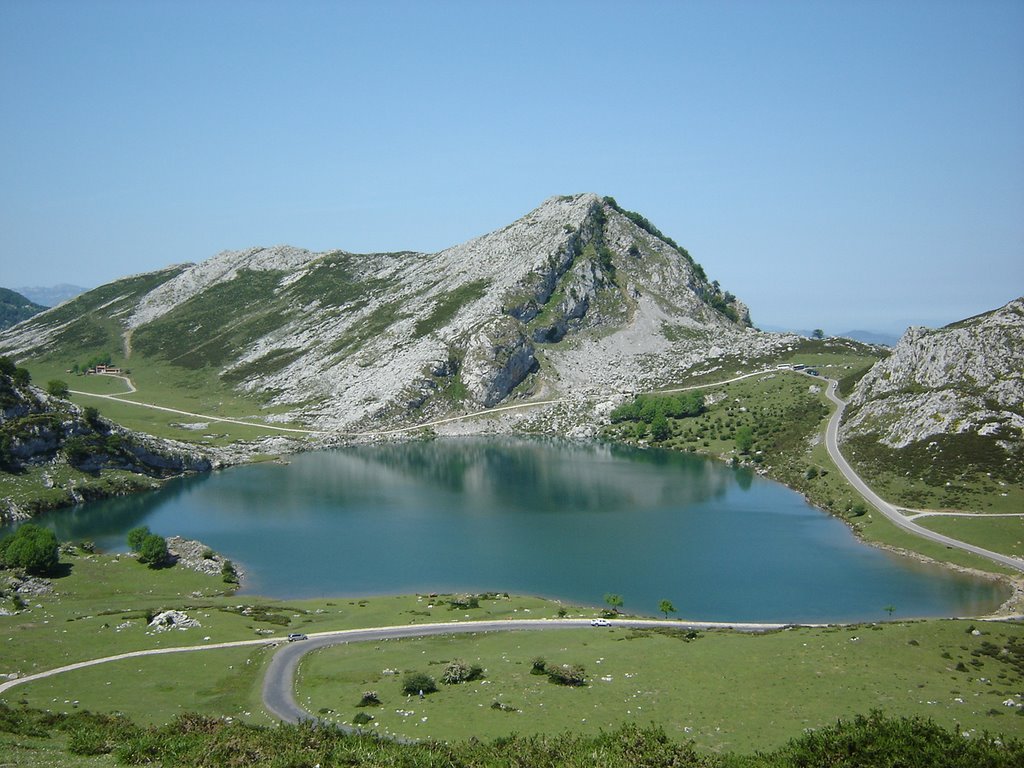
[
  {"x": 967, "y": 377},
  {"x": 590, "y": 296},
  {"x": 498, "y": 357}
]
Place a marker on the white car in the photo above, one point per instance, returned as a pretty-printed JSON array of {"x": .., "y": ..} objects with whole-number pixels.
[
  {"x": 600, "y": 623},
  {"x": 296, "y": 636}
]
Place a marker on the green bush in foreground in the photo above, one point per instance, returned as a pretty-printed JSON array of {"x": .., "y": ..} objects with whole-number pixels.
[
  {"x": 870, "y": 741},
  {"x": 418, "y": 683},
  {"x": 153, "y": 551},
  {"x": 32, "y": 548}
]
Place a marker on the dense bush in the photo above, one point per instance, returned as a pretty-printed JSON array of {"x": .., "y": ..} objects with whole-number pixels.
[
  {"x": 57, "y": 388},
  {"x": 194, "y": 740},
  {"x": 136, "y": 536},
  {"x": 30, "y": 547},
  {"x": 647, "y": 408},
  {"x": 458, "y": 671},
  {"x": 416, "y": 683},
  {"x": 566, "y": 674},
  {"x": 153, "y": 551}
]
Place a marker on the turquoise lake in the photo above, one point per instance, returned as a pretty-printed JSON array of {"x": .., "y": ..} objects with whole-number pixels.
[{"x": 573, "y": 521}]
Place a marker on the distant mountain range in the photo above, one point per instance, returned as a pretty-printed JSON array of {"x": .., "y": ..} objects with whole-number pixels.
[
  {"x": 867, "y": 337},
  {"x": 14, "y": 307},
  {"x": 51, "y": 295}
]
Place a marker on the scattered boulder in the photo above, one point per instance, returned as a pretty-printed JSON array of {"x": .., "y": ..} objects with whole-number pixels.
[
  {"x": 196, "y": 556},
  {"x": 167, "y": 620}
]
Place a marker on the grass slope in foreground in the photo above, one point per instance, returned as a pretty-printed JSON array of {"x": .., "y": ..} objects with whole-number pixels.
[{"x": 85, "y": 739}]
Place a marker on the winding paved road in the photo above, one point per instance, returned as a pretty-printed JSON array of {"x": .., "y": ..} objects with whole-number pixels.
[
  {"x": 278, "y": 683},
  {"x": 887, "y": 509},
  {"x": 279, "y": 680}
]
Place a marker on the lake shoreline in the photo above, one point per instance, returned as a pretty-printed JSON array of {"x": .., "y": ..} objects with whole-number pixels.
[{"x": 1010, "y": 606}]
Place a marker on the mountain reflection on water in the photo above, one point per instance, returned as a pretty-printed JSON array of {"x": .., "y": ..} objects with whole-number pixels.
[{"x": 562, "y": 519}]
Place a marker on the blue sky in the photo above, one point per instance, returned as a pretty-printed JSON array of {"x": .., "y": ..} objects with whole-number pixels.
[{"x": 836, "y": 165}]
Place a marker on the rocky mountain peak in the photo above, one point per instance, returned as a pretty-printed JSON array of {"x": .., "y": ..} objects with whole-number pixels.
[
  {"x": 577, "y": 295},
  {"x": 967, "y": 377}
]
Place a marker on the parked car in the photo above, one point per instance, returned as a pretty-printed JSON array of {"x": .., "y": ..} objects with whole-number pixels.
[
  {"x": 296, "y": 636},
  {"x": 600, "y": 623}
]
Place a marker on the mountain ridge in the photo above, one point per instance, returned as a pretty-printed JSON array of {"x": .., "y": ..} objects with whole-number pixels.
[
  {"x": 15, "y": 307},
  {"x": 578, "y": 294}
]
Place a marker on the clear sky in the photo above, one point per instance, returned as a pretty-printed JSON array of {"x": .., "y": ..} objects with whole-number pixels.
[{"x": 834, "y": 164}]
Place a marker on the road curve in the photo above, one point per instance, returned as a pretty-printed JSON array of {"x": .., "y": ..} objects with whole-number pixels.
[
  {"x": 279, "y": 680},
  {"x": 887, "y": 509}
]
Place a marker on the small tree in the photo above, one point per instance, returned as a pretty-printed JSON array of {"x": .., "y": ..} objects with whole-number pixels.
[
  {"x": 614, "y": 602},
  {"x": 30, "y": 547},
  {"x": 744, "y": 439},
  {"x": 660, "y": 429},
  {"x": 92, "y": 415},
  {"x": 818, "y": 333},
  {"x": 153, "y": 551},
  {"x": 666, "y": 607},
  {"x": 228, "y": 572},
  {"x": 57, "y": 388},
  {"x": 418, "y": 682},
  {"x": 136, "y": 536}
]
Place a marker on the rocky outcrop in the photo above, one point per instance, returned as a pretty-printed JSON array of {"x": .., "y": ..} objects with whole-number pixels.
[
  {"x": 196, "y": 556},
  {"x": 38, "y": 431},
  {"x": 346, "y": 342},
  {"x": 962, "y": 379},
  {"x": 498, "y": 357}
]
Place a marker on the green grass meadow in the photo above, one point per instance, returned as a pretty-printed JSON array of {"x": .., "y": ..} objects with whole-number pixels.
[
  {"x": 999, "y": 534},
  {"x": 726, "y": 690}
]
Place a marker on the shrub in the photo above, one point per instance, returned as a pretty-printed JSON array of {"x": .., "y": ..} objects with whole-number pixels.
[
  {"x": 57, "y": 388},
  {"x": 537, "y": 666},
  {"x": 370, "y": 699},
  {"x": 136, "y": 536},
  {"x": 362, "y": 718},
  {"x": 153, "y": 550},
  {"x": 228, "y": 572},
  {"x": 88, "y": 740},
  {"x": 418, "y": 682},
  {"x": 77, "y": 449},
  {"x": 30, "y": 547},
  {"x": 458, "y": 671},
  {"x": 566, "y": 674}
]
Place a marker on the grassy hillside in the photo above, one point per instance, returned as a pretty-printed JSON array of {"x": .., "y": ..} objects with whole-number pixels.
[{"x": 14, "y": 308}]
